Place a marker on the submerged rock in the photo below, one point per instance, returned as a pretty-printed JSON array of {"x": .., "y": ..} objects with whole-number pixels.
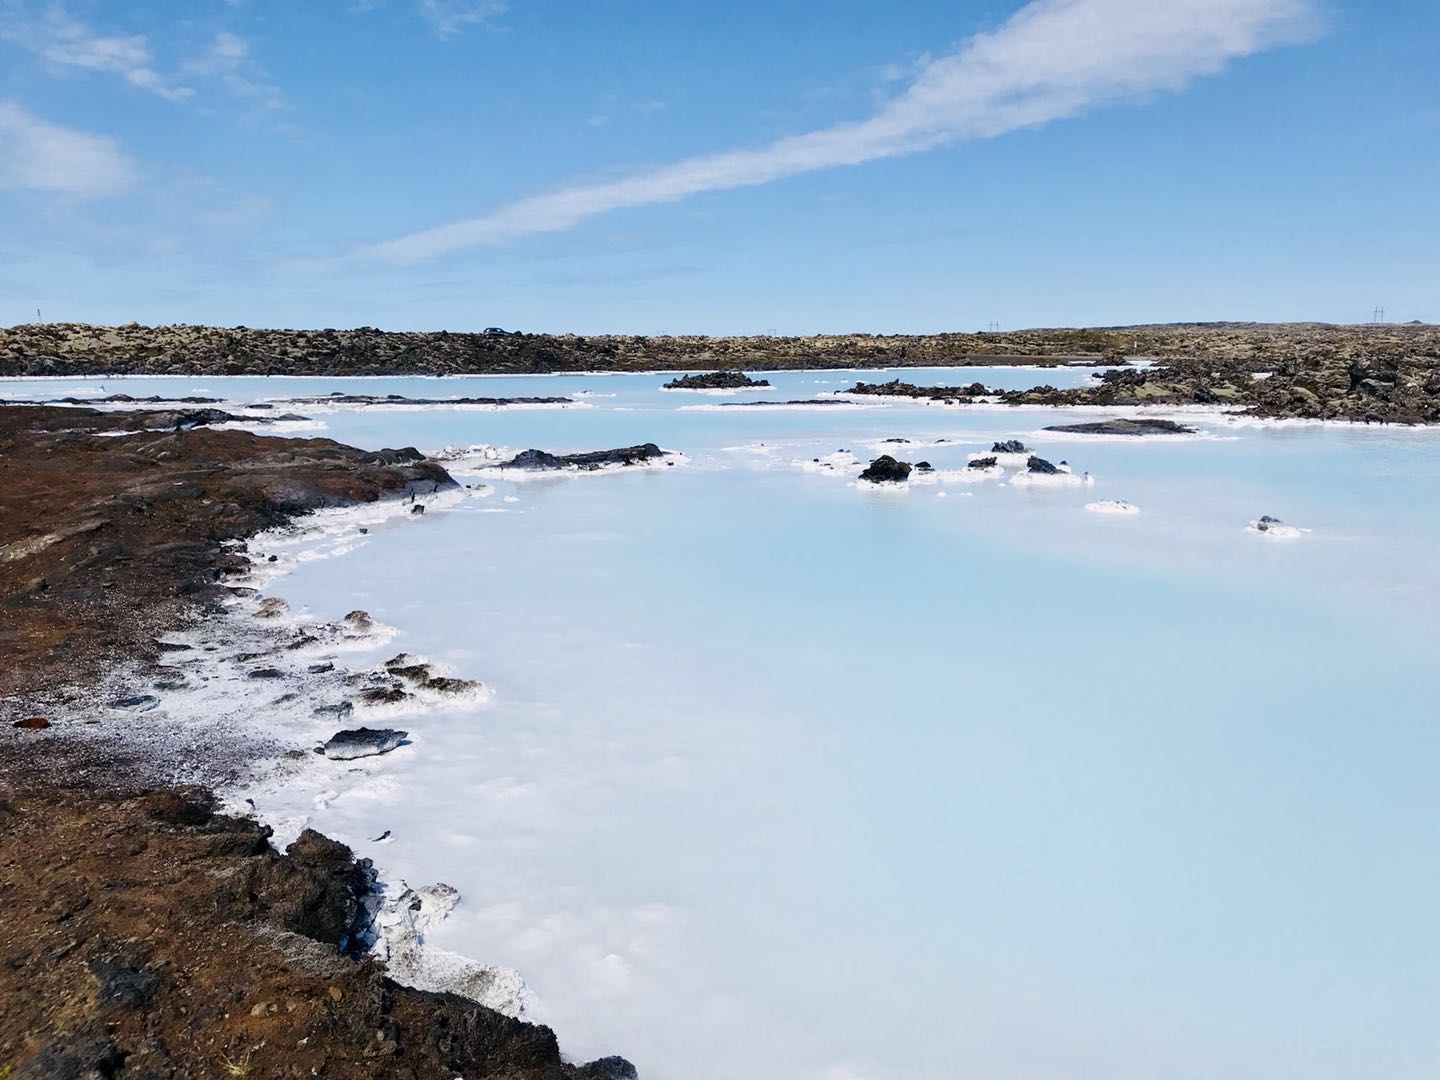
[
  {"x": 1125, "y": 427},
  {"x": 384, "y": 695},
  {"x": 272, "y": 607},
  {"x": 886, "y": 470},
  {"x": 362, "y": 742}
]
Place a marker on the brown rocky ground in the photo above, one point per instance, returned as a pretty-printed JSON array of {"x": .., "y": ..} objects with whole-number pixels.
[
  {"x": 144, "y": 935},
  {"x": 107, "y": 540}
]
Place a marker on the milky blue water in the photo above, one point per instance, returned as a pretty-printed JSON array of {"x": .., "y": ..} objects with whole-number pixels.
[{"x": 786, "y": 778}]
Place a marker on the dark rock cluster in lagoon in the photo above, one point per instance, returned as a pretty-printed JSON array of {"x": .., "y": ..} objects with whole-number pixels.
[
  {"x": 886, "y": 470},
  {"x": 338, "y": 398},
  {"x": 541, "y": 460},
  {"x": 961, "y": 395},
  {"x": 715, "y": 380},
  {"x": 779, "y": 404},
  {"x": 1124, "y": 427}
]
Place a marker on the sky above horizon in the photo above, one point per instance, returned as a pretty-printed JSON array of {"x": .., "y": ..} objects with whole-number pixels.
[{"x": 647, "y": 167}]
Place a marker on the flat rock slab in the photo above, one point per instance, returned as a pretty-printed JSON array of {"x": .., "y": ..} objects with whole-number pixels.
[
  {"x": 1125, "y": 427},
  {"x": 362, "y": 742}
]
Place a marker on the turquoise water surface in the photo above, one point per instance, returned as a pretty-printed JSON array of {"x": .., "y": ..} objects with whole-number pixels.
[{"x": 788, "y": 778}]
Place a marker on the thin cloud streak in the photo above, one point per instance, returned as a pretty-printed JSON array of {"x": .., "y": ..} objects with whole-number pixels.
[
  {"x": 40, "y": 156},
  {"x": 1053, "y": 59},
  {"x": 59, "y": 39}
]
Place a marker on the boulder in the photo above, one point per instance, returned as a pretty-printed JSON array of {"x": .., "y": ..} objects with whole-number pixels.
[
  {"x": 886, "y": 470},
  {"x": 362, "y": 742}
]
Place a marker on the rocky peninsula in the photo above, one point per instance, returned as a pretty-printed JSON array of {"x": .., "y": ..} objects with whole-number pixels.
[{"x": 147, "y": 934}]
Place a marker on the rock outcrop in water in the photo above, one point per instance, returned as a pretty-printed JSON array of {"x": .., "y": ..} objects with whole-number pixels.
[
  {"x": 715, "y": 380},
  {"x": 362, "y": 742},
  {"x": 954, "y": 395},
  {"x": 886, "y": 470},
  {"x": 540, "y": 460},
  {"x": 1125, "y": 427},
  {"x": 397, "y": 400},
  {"x": 1040, "y": 466},
  {"x": 1009, "y": 446}
]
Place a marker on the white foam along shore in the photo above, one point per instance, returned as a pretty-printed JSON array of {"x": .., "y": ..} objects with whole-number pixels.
[
  {"x": 264, "y": 687},
  {"x": 1112, "y": 506}
]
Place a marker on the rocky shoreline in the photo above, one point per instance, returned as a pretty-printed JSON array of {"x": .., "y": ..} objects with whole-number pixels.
[
  {"x": 1365, "y": 385},
  {"x": 149, "y": 935}
]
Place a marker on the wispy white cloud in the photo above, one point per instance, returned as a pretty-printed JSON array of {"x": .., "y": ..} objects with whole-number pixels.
[
  {"x": 449, "y": 17},
  {"x": 1053, "y": 59},
  {"x": 228, "y": 59},
  {"x": 64, "y": 41},
  {"x": 41, "y": 156}
]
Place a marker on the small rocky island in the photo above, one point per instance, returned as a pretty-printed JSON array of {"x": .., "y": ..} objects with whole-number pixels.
[
  {"x": 715, "y": 380},
  {"x": 541, "y": 460},
  {"x": 887, "y": 470},
  {"x": 1124, "y": 427}
]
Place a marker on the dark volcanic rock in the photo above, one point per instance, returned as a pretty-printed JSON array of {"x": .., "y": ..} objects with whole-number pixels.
[
  {"x": 715, "y": 380},
  {"x": 536, "y": 460},
  {"x": 1040, "y": 465},
  {"x": 896, "y": 388},
  {"x": 982, "y": 463},
  {"x": 399, "y": 399},
  {"x": 779, "y": 404},
  {"x": 363, "y": 742},
  {"x": 1009, "y": 446},
  {"x": 886, "y": 470},
  {"x": 1125, "y": 427}
]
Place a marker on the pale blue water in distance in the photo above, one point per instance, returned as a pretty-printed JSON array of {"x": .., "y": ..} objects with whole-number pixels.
[{"x": 784, "y": 778}]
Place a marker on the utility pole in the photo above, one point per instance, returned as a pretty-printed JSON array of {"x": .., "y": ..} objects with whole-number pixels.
[{"x": 1378, "y": 316}]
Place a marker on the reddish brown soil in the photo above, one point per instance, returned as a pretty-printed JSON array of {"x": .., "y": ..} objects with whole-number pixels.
[
  {"x": 142, "y": 935},
  {"x": 106, "y": 540}
]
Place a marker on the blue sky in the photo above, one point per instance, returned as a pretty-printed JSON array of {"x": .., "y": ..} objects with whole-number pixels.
[{"x": 740, "y": 168}]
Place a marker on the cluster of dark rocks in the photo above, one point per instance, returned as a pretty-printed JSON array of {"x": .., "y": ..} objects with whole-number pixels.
[
  {"x": 541, "y": 460},
  {"x": 715, "y": 380}
]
